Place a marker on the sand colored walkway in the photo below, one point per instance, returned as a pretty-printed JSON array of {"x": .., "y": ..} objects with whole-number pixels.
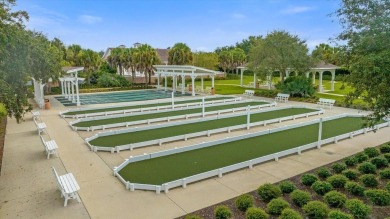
[{"x": 28, "y": 189}]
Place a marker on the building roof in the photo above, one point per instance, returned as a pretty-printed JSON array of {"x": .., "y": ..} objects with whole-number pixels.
[{"x": 324, "y": 65}]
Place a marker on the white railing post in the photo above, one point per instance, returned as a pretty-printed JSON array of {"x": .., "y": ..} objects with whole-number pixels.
[
  {"x": 203, "y": 107},
  {"x": 319, "y": 134},
  {"x": 248, "y": 118},
  {"x": 173, "y": 100}
]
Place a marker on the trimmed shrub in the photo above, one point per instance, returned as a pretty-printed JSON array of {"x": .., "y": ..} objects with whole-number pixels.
[
  {"x": 256, "y": 213},
  {"x": 316, "y": 209},
  {"x": 351, "y": 174},
  {"x": 339, "y": 167},
  {"x": 308, "y": 179},
  {"x": 193, "y": 216},
  {"x": 379, "y": 197},
  {"x": 244, "y": 202},
  {"x": 287, "y": 186},
  {"x": 267, "y": 192},
  {"x": 351, "y": 161},
  {"x": 385, "y": 149},
  {"x": 289, "y": 213},
  {"x": 379, "y": 162},
  {"x": 361, "y": 157},
  {"x": 337, "y": 181},
  {"x": 371, "y": 152},
  {"x": 357, "y": 208},
  {"x": 367, "y": 168},
  {"x": 354, "y": 188},
  {"x": 276, "y": 206},
  {"x": 387, "y": 156},
  {"x": 300, "y": 197},
  {"x": 369, "y": 180},
  {"x": 321, "y": 187},
  {"x": 222, "y": 212},
  {"x": 337, "y": 214},
  {"x": 385, "y": 174},
  {"x": 388, "y": 186},
  {"x": 323, "y": 173},
  {"x": 335, "y": 199}
]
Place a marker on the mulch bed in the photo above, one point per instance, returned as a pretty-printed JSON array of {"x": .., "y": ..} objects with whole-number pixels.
[
  {"x": 3, "y": 125},
  {"x": 378, "y": 212}
]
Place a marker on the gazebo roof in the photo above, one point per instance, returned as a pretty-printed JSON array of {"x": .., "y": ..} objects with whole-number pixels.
[
  {"x": 72, "y": 69},
  {"x": 325, "y": 66},
  {"x": 183, "y": 70}
]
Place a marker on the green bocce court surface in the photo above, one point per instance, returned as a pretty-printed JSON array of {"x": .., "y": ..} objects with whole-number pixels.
[
  {"x": 164, "y": 169},
  {"x": 147, "y": 135},
  {"x": 132, "y": 118},
  {"x": 143, "y": 106}
]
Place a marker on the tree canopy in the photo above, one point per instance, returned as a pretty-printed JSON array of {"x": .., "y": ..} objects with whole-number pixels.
[
  {"x": 207, "y": 60},
  {"x": 366, "y": 30},
  {"x": 180, "y": 54},
  {"x": 280, "y": 51}
]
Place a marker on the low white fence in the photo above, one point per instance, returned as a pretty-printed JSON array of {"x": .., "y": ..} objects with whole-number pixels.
[
  {"x": 195, "y": 134},
  {"x": 162, "y": 119},
  {"x": 246, "y": 164},
  {"x": 208, "y": 101}
]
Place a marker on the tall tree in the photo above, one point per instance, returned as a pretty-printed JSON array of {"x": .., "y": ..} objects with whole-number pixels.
[
  {"x": 207, "y": 60},
  {"x": 367, "y": 32},
  {"x": 91, "y": 62},
  {"x": 280, "y": 51},
  {"x": 73, "y": 55},
  {"x": 180, "y": 54},
  {"x": 117, "y": 59},
  {"x": 145, "y": 57},
  {"x": 238, "y": 58},
  {"x": 247, "y": 44},
  {"x": 325, "y": 52}
]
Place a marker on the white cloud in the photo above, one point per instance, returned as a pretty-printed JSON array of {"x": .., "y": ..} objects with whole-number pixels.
[
  {"x": 89, "y": 19},
  {"x": 296, "y": 10},
  {"x": 238, "y": 16}
]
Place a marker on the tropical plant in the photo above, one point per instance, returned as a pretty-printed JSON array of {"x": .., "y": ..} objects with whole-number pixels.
[
  {"x": 297, "y": 86},
  {"x": 180, "y": 54},
  {"x": 145, "y": 57}
]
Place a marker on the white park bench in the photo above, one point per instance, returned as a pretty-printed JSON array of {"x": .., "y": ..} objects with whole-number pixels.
[
  {"x": 35, "y": 114},
  {"x": 323, "y": 102},
  {"x": 50, "y": 147},
  {"x": 68, "y": 186},
  {"x": 282, "y": 97},
  {"x": 41, "y": 126},
  {"x": 249, "y": 93}
]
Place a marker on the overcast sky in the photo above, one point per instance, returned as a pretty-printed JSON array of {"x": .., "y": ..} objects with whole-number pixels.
[{"x": 202, "y": 24}]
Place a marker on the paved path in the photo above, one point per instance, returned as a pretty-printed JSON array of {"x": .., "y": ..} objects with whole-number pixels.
[{"x": 28, "y": 189}]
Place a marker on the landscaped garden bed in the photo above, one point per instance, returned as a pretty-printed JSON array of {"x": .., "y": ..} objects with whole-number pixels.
[{"x": 331, "y": 191}]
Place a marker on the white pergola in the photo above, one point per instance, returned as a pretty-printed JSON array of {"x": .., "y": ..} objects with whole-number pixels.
[
  {"x": 70, "y": 84},
  {"x": 321, "y": 67},
  {"x": 183, "y": 71},
  {"x": 38, "y": 92}
]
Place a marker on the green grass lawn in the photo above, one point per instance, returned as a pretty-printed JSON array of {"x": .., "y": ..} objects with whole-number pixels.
[
  {"x": 164, "y": 114},
  {"x": 160, "y": 170},
  {"x": 143, "y": 106},
  {"x": 146, "y": 135}
]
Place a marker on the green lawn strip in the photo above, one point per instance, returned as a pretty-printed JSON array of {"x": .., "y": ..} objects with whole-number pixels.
[
  {"x": 147, "y": 135},
  {"x": 164, "y": 114},
  {"x": 164, "y": 169},
  {"x": 142, "y": 106}
]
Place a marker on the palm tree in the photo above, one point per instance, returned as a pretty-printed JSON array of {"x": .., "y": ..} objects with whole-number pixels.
[
  {"x": 179, "y": 54},
  {"x": 91, "y": 61},
  {"x": 145, "y": 57},
  {"x": 116, "y": 59},
  {"x": 129, "y": 61}
]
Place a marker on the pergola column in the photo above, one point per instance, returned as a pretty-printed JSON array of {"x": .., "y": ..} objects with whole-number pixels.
[
  {"x": 158, "y": 80},
  {"x": 332, "y": 81},
  {"x": 193, "y": 84},
  {"x": 254, "y": 79},
  {"x": 65, "y": 90},
  {"x": 166, "y": 82},
  {"x": 72, "y": 85},
  {"x": 77, "y": 91},
  {"x": 287, "y": 73},
  {"x": 242, "y": 76},
  {"x": 320, "y": 82},
  {"x": 183, "y": 81},
  {"x": 314, "y": 77},
  {"x": 212, "y": 81},
  {"x": 62, "y": 86},
  {"x": 174, "y": 85}
]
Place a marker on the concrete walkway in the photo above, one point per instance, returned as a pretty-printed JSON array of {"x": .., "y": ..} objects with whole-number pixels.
[{"x": 28, "y": 189}]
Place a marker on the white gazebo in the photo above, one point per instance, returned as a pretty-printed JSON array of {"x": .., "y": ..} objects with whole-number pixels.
[
  {"x": 70, "y": 84},
  {"x": 183, "y": 71},
  {"x": 321, "y": 67}
]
